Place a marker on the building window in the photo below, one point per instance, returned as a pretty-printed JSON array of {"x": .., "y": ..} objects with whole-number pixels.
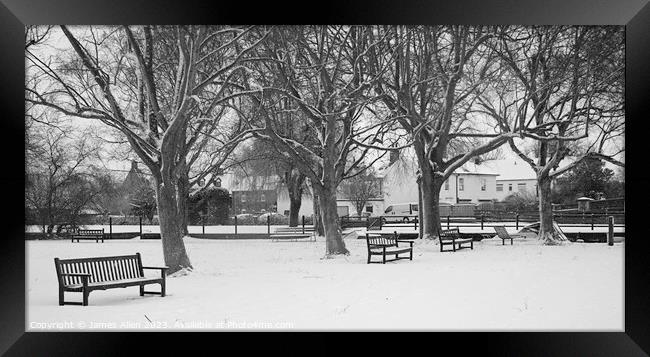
[
  {"x": 369, "y": 208},
  {"x": 243, "y": 197},
  {"x": 499, "y": 187},
  {"x": 447, "y": 185},
  {"x": 483, "y": 184},
  {"x": 262, "y": 198},
  {"x": 521, "y": 187},
  {"x": 461, "y": 184},
  {"x": 509, "y": 187}
]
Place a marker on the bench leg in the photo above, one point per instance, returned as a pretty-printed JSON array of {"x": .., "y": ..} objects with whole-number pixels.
[
  {"x": 162, "y": 288},
  {"x": 411, "y": 255},
  {"x": 383, "y": 258},
  {"x": 61, "y": 302},
  {"x": 503, "y": 242},
  {"x": 510, "y": 241},
  {"x": 141, "y": 290},
  {"x": 453, "y": 246},
  {"x": 471, "y": 244},
  {"x": 85, "y": 298}
]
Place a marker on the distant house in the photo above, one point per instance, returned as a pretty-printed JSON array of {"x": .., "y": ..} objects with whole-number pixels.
[
  {"x": 470, "y": 183},
  {"x": 253, "y": 194},
  {"x": 515, "y": 177},
  {"x": 134, "y": 186},
  {"x": 134, "y": 180}
]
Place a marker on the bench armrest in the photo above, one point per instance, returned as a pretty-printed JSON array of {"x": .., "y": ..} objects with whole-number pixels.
[
  {"x": 84, "y": 277},
  {"x": 161, "y": 268}
]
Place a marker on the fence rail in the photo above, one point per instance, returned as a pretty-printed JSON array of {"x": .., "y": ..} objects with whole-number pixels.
[
  {"x": 126, "y": 229},
  {"x": 485, "y": 218}
]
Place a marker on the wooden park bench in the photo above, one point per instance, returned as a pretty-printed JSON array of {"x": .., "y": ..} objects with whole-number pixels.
[
  {"x": 503, "y": 234},
  {"x": 88, "y": 234},
  {"x": 100, "y": 273},
  {"x": 452, "y": 237},
  {"x": 386, "y": 245},
  {"x": 293, "y": 234}
]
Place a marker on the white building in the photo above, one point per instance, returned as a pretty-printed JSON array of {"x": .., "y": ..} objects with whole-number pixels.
[
  {"x": 515, "y": 177},
  {"x": 469, "y": 184}
]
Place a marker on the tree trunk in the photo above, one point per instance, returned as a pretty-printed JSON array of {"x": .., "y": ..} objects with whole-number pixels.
[
  {"x": 318, "y": 223},
  {"x": 294, "y": 211},
  {"x": 171, "y": 226},
  {"x": 333, "y": 238},
  {"x": 295, "y": 201},
  {"x": 430, "y": 186},
  {"x": 295, "y": 184},
  {"x": 360, "y": 206},
  {"x": 547, "y": 233},
  {"x": 183, "y": 198}
]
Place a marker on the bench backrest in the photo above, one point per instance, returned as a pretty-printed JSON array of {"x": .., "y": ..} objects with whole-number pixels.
[
  {"x": 374, "y": 240},
  {"x": 449, "y": 234},
  {"x": 100, "y": 268},
  {"x": 501, "y": 232},
  {"x": 89, "y": 232}
]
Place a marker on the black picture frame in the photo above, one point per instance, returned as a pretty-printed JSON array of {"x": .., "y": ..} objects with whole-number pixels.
[{"x": 634, "y": 14}]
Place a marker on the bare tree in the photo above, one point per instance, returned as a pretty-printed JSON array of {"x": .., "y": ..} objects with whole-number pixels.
[
  {"x": 431, "y": 89},
  {"x": 261, "y": 160},
  {"x": 59, "y": 180},
  {"x": 116, "y": 75},
  {"x": 322, "y": 72},
  {"x": 563, "y": 90},
  {"x": 360, "y": 189}
]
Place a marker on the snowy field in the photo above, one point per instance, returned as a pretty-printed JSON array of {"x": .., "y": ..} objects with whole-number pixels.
[{"x": 259, "y": 285}]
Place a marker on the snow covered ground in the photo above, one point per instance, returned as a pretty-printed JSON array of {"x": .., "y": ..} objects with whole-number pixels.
[{"x": 259, "y": 284}]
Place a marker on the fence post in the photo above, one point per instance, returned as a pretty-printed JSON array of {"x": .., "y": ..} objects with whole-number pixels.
[
  {"x": 592, "y": 221},
  {"x": 482, "y": 221},
  {"x": 415, "y": 223},
  {"x": 381, "y": 221},
  {"x": 110, "y": 227},
  {"x": 268, "y": 223},
  {"x": 517, "y": 221},
  {"x": 447, "y": 221},
  {"x": 235, "y": 225},
  {"x": 303, "y": 224},
  {"x": 367, "y": 223},
  {"x": 203, "y": 223},
  {"x": 610, "y": 232},
  {"x": 140, "y": 227}
]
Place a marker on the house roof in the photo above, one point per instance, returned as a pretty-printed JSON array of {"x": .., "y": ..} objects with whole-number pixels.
[
  {"x": 410, "y": 166},
  {"x": 511, "y": 169},
  {"x": 470, "y": 168}
]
